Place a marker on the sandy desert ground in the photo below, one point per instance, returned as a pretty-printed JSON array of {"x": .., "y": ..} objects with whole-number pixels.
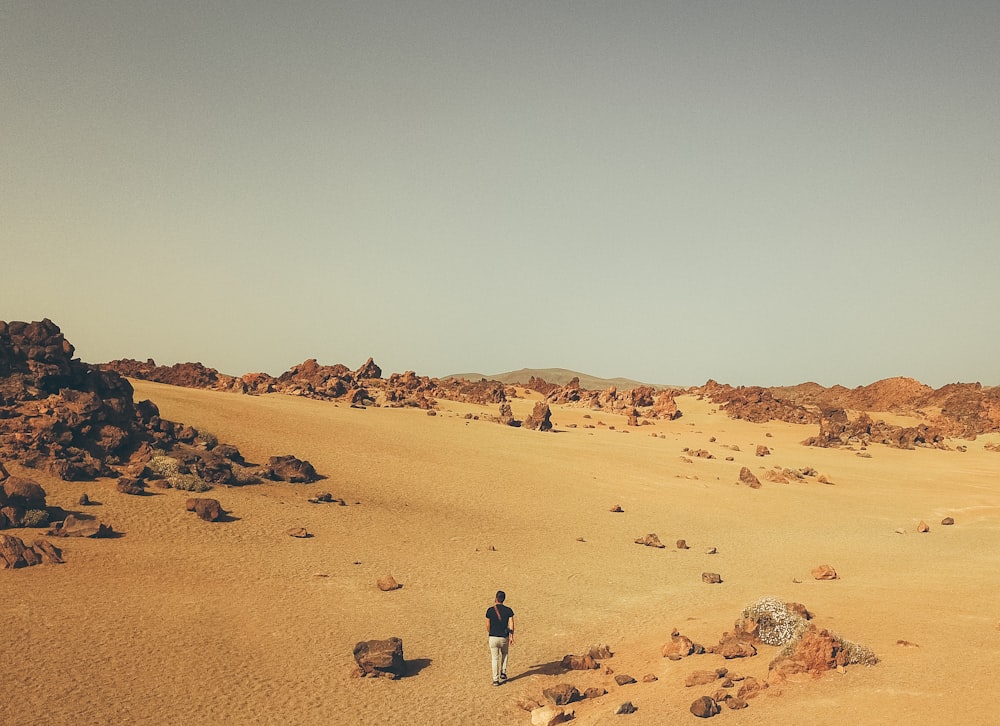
[{"x": 185, "y": 621}]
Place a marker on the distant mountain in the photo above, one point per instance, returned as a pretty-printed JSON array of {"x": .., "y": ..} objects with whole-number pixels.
[{"x": 559, "y": 376}]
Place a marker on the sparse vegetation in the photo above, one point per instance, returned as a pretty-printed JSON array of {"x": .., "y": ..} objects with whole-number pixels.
[
  {"x": 35, "y": 518},
  {"x": 776, "y": 623},
  {"x": 169, "y": 469}
]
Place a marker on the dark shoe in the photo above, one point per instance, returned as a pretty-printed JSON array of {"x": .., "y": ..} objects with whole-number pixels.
[{"x": 503, "y": 677}]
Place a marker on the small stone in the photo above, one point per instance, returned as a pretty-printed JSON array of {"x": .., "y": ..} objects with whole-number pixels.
[
  {"x": 824, "y": 572},
  {"x": 712, "y": 578},
  {"x": 623, "y": 679},
  {"x": 710, "y": 550},
  {"x": 387, "y": 583},
  {"x": 299, "y": 532},
  {"x": 682, "y": 544},
  {"x": 617, "y": 508},
  {"x": 948, "y": 520},
  {"x": 649, "y": 678},
  {"x": 626, "y": 707}
]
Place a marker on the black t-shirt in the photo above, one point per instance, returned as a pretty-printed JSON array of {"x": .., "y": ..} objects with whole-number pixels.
[{"x": 499, "y": 616}]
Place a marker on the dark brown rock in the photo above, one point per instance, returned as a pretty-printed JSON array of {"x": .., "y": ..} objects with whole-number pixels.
[
  {"x": 208, "y": 509},
  {"x": 623, "y": 679},
  {"x": 584, "y": 662},
  {"x": 15, "y": 554},
  {"x": 561, "y": 694},
  {"x": 749, "y": 478},
  {"x": 626, "y": 708},
  {"x": 650, "y": 540},
  {"x": 704, "y": 707},
  {"x": 290, "y": 469},
  {"x": 74, "y": 527},
  {"x": 540, "y": 418},
  {"x": 385, "y": 657},
  {"x": 712, "y": 578}
]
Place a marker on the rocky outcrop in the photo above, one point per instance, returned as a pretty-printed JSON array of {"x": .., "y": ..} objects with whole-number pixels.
[
  {"x": 540, "y": 418},
  {"x": 644, "y": 401},
  {"x": 73, "y": 526},
  {"x": 838, "y": 428}
]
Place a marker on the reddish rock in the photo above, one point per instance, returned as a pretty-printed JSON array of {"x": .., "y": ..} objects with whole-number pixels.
[
  {"x": 923, "y": 527},
  {"x": 700, "y": 678},
  {"x": 387, "y": 583},
  {"x": 540, "y": 418},
  {"x": 24, "y": 493},
  {"x": 380, "y": 657},
  {"x": 824, "y": 572},
  {"x": 561, "y": 694},
  {"x": 579, "y": 662},
  {"x": 650, "y": 540},
  {"x": 948, "y": 521},
  {"x": 750, "y": 688},
  {"x": 704, "y": 707},
  {"x": 130, "y": 485},
  {"x": 290, "y": 469},
  {"x": 14, "y": 553},
  {"x": 749, "y": 478},
  {"x": 73, "y": 527},
  {"x": 298, "y": 532},
  {"x": 617, "y": 508},
  {"x": 208, "y": 509},
  {"x": 679, "y": 646},
  {"x": 594, "y": 692},
  {"x": 816, "y": 652}
]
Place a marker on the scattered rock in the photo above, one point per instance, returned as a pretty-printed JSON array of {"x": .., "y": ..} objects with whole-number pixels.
[
  {"x": 712, "y": 578},
  {"x": 208, "y": 509},
  {"x": 710, "y": 550},
  {"x": 650, "y": 540},
  {"x": 763, "y": 450},
  {"x": 600, "y": 652},
  {"x": 623, "y": 679},
  {"x": 705, "y": 707},
  {"x": 131, "y": 485},
  {"x": 549, "y": 716},
  {"x": 700, "y": 678},
  {"x": 299, "y": 532},
  {"x": 948, "y": 520},
  {"x": 561, "y": 694},
  {"x": 923, "y": 526},
  {"x": 386, "y": 583},
  {"x": 380, "y": 657},
  {"x": 594, "y": 692},
  {"x": 74, "y": 527},
  {"x": 824, "y": 572},
  {"x": 617, "y": 508},
  {"x": 678, "y": 647},
  {"x": 580, "y": 662},
  {"x": 84, "y": 500},
  {"x": 649, "y": 678},
  {"x": 749, "y": 478},
  {"x": 290, "y": 469},
  {"x": 625, "y": 708},
  {"x": 682, "y": 545},
  {"x": 14, "y": 554},
  {"x": 906, "y": 644}
]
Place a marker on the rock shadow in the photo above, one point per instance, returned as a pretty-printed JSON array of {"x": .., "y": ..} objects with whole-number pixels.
[
  {"x": 415, "y": 665},
  {"x": 552, "y": 668}
]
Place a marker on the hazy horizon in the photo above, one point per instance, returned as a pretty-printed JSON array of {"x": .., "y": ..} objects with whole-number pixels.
[{"x": 758, "y": 193}]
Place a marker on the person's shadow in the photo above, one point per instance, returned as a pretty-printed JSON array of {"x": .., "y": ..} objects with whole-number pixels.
[{"x": 553, "y": 668}]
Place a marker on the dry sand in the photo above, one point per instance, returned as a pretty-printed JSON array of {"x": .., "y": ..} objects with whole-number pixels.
[{"x": 184, "y": 621}]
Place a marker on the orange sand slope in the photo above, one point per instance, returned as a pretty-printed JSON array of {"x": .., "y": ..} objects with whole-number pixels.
[{"x": 182, "y": 620}]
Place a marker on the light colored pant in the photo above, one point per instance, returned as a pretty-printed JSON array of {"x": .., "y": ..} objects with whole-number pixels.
[{"x": 498, "y": 649}]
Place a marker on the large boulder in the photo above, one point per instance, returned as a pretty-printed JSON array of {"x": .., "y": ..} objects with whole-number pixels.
[
  {"x": 290, "y": 469},
  {"x": 380, "y": 657},
  {"x": 14, "y": 553}
]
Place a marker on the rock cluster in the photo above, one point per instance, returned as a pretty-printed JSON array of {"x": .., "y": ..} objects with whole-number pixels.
[
  {"x": 81, "y": 422},
  {"x": 633, "y": 402},
  {"x": 14, "y": 553}
]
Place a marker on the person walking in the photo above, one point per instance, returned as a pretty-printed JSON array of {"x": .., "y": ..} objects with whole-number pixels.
[{"x": 500, "y": 627}]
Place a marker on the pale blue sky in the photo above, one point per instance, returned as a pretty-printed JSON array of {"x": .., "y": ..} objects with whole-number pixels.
[{"x": 756, "y": 192}]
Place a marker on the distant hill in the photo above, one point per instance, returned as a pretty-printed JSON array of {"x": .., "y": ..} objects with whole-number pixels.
[{"x": 559, "y": 376}]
